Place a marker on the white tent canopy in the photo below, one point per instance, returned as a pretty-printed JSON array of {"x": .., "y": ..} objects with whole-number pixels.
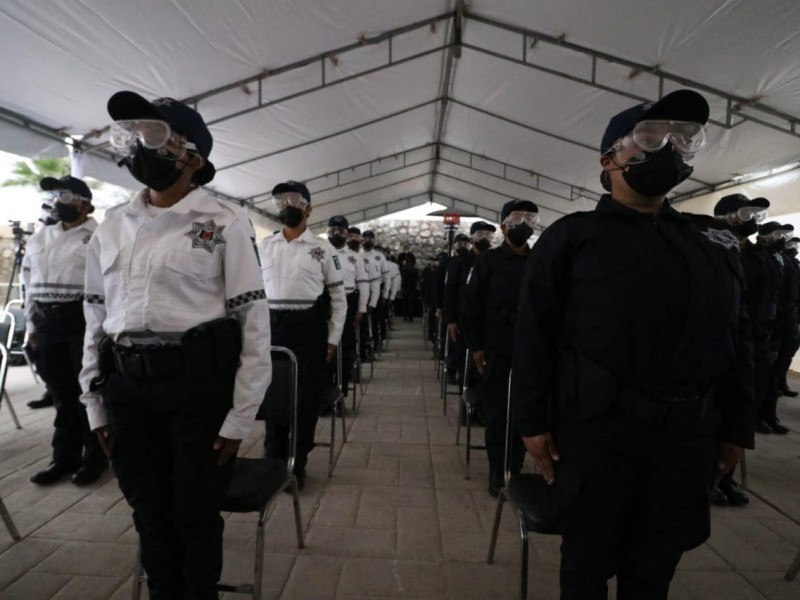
[{"x": 384, "y": 105}]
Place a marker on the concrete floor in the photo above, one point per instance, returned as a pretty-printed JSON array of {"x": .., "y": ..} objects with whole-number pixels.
[{"x": 396, "y": 520}]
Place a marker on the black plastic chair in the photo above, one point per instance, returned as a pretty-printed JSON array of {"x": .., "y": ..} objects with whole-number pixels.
[
  {"x": 256, "y": 482},
  {"x": 471, "y": 399},
  {"x": 6, "y": 332},
  {"x": 528, "y": 495},
  {"x": 18, "y": 344}
]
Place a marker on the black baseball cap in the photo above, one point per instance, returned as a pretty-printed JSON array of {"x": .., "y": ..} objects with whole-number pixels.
[
  {"x": 354, "y": 230},
  {"x": 481, "y": 226},
  {"x": 772, "y": 226},
  {"x": 733, "y": 202},
  {"x": 292, "y": 186},
  {"x": 368, "y": 233},
  {"x": 338, "y": 222},
  {"x": 183, "y": 119},
  {"x": 680, "y": 105},
  {"x": 461, "y": 237},
  {"x": 73, "y": 184},
  {"x": 513, "y": 205}
]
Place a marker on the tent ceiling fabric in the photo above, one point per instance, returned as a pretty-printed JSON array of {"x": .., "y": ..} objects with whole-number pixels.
[{"x": 403, "y": 103}]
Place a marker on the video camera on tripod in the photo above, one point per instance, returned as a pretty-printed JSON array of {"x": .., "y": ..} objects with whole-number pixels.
[{"x": 19, "y": 251}]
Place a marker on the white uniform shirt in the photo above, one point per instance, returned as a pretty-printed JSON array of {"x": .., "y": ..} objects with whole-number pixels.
[
  {"x": 187, "y": 265},
  {"x": 296, "y": 273},
  {"x": 383, "y": 265},
  {"x": 354, "y": 273},
  {"x": 374, "y": 274},
  {"x": 394, "y": 273},
  {"x": 54, "y": 265}
]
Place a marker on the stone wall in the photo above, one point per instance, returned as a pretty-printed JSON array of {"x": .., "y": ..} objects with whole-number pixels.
[{"x": 426, "y": 238}]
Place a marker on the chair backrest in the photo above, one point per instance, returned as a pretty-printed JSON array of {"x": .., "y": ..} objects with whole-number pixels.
[
  {"x": 7, "y": 325},
  {"x": 3, "y": 369},
  {"x": 280, "y": 400}
]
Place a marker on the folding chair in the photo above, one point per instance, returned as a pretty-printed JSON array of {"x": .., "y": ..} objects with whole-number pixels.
[
  {"x": 527, "y": 495},
  {"x": 425, "y": 325},
  {"x": 438, "y": 347},
  {"x": 470, "y": 400},
  {"x": 18, "y": 345},
  {"x": 6, "y": 332},
  {"x": 445, "y": 391},
  {"x": 356, "y": 377},
  {"x": 12, "y": 529},
  {"x": 256, "y": 482},
  {"x": 334, "y": 399}
]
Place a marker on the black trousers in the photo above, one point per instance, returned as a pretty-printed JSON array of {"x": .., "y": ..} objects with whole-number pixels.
[
  {"x": 494, "y": 389},
  {"x": 409, "y": 297},
  {"x": 348, "y": 343},
  {"x": 59, "y": 353},
  {"x": 632, "y": 500},
  {"x": 162, "y": 436},
  {"x": 307, "y": 337},
  {"x": 789, "y": 344}
]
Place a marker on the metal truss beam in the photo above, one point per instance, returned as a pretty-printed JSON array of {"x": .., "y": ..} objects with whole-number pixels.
[
  {"x": 373, "y": 190},
  {"x": 724, "y": 185},
  {"x": 378, "y": 210},
  {"x": 735, "y": 105},
  {"x": 331, "y": 135}
]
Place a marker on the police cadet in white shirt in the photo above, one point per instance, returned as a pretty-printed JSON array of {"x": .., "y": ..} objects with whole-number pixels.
[
  {"x": 53, "y": 270},
  {"x": 298, "y": 269},
  {"x": 356, "y": 289},
  {"x": 177, "y": 340},
  {"x": 373, "y": 271},
  {"x": 378, "y": 315}
]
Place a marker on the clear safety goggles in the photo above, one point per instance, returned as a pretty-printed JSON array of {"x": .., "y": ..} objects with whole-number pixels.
[
  {"x": 791, "y": 245},
  {"x": 780, "y": 234},
  {"x": 651, "y": 136},
  {"x": 285, "y": 199},
  {"x": 354, "y": 237},
  {"x": 518, "y": 217},
  {"x": 482, "y": 234},
  {"x": 150, "y": 133},
  {"x": 462, "y": 245},
  {"x": 342, "y": 231},
  {"x": 67, "y": 197},
  {"x": 746, "y": 213}
]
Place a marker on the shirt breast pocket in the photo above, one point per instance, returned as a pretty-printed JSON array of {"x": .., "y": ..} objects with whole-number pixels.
[{"x": 193, "y": 266}]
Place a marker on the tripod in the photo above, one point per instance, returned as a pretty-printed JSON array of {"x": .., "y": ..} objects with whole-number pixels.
[{"x": 19, "y": 253}]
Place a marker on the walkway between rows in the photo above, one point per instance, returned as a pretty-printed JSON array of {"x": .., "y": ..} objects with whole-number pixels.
[{"x": 396, "y": 520}]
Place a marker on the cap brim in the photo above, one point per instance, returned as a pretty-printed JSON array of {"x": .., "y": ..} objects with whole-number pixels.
[
  {"x": 759, "y": 202},
  {"x": 282, "y": 188},
  {"x": 130, "y": 105},
  {"x": 51, "y": 183},
  {"x": 787, "y": 227},
  {"x": 680, "y": 105}
]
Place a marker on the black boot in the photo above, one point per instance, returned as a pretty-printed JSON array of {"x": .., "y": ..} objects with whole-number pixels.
[
  {"x": 733, "y": 492},
  {"x": 777, "y": 427},
  {"x": 45, "y": 401},
  {"x": 53, "y": 473}
]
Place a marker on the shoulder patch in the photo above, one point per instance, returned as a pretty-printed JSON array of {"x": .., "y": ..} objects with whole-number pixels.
[
  {"x": 722, "y": 237},
  {"x": 317, "y": 253},
  {"x": 352, "y": 259}
]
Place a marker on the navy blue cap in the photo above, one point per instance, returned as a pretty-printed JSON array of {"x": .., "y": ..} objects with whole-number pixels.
[
  {"x": 73, "y": 184},
  {"x": 733, "y": 202},
  {"x": 368, "y": 233},
  {"x": 183, "y": 119},
  {"x": 481, "y": 226},
  {"x": 292, "y": 186},
  {"x": 772, "y": 226},
  {"x": 461, "y": 237},
  {"x": 354, "y": 230},
  {"x": 513, "y": 205},
  {"x": 338, "y": 222},
  {"x": 680, "y": 105}
]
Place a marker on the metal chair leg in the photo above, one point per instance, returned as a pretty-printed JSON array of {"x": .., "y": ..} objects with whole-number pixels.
[
  {"x": 498, "y": 513},
  {"x": 11, "y": 409},
  {"x": 333, "y": 439},
  {"x": 462, "y": 409},
  {"x": 12, "y": 529},
  {"x": 523, "y": 566},
  {"x": 344, "y": 423},
  {"x": 136, "y": 589},
  {"x": 743, "y": 469},
  {"x": 258, "y": 568},
  {"x": 298, "y": 520},
  {"x": 468, "y": 418}
]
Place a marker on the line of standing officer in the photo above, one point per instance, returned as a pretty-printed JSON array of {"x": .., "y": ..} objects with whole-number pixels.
[
  {"x": 303, "y": 280},
  {"x": 378, "y": 315},
  {"x": 488, "y": 316},
  {"x": 356, "y": 289},
  {"x": 632, "y": 369},
  {"x": 53, "y": 269},
  {"x": 176, "y": 355},
  {"x": 791, "y": 340},
  {"x": 373, "y": 273}
]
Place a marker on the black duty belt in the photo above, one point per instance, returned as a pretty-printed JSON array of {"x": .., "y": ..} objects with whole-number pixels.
[
  {"x": 150, "y": 362},
  {"x": 662, "y": 409},
  {"x": 59, "y": 310},
  {"x": 290, "y": 317}
]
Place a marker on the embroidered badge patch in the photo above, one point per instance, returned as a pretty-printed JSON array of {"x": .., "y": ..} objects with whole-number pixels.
[
  {"x": 87, "y": 238},
  {"x": 206, "y": 235},
  {"x": 722, "y": 237},
  {"x": 337, "y": 263},
  {"x": 317, "y": 254},
  {"x": 352, "y": 259}
]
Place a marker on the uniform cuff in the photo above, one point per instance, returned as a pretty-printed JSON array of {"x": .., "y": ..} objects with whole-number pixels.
[
  {"x": 95, "y": 411},
  {"x": 235, "y": 427}
]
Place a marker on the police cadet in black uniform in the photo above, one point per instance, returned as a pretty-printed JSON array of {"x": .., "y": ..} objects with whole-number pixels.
[
  {"x": 791, "y": 341},
  {"x": 490, "y": 309},
  {"x": 53, "y": 270},
  {"x": 454, "y": 281},
  {"x": 742, "y": 216},
  {"x": 772, "y": 238},
  {"x": 632, "y": 371}
]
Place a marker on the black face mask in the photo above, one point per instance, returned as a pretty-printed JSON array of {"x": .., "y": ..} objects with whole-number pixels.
[
  {"x": 777, "y": 246},
  {"x": 354, "y": 246},
  {"x": 156, "y": 172},
  {"x": 518, "y": 236},
  {"x": 792, "y": 252},
  {"x": 291, "y": 216},
  {"x": 663, "y": 171},
  {"x": 462, "y": 251},
  {"x": 745, "y": 229},
  {"x": 368, "y": 245},
  {"x": 66, "y": 213},
  {"x": 482, "y": 245},
  {"x": 337, "y": 240}
]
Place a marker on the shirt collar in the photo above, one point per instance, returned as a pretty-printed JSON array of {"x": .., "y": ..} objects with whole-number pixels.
[
  {"x": 88, "y": 225},
  {"x": 197, "y": 200},
  {"x": 610, "y": 206}
]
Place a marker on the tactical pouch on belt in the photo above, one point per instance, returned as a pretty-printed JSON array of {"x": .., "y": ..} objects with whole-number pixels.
[
  {"x": 585, "y": 389},
  {"x": 213, "y": 347},
  {"x": 105, "y": 364}
]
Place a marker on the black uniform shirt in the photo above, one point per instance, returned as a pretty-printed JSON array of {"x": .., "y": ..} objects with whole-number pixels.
[
  {"x": 657, "y": 301},
  {"x": 454, "y": 284},
  {"x": 490, "y": 301}
]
